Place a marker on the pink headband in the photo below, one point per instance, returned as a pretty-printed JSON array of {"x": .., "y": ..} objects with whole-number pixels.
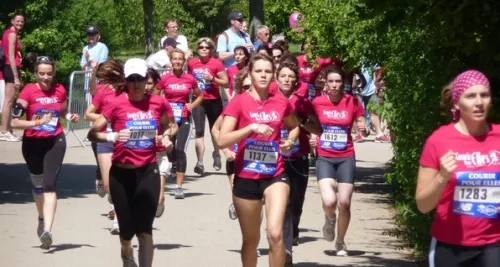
[{"x": 466, "y": 80}]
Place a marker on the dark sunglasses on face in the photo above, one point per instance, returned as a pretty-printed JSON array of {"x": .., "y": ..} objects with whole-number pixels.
[
  {"x": 277, "y": 57},
  {"x": 44, "y": 60},
  {"x": 203, "y": 47},
  {"x": 135, "y": 78}
]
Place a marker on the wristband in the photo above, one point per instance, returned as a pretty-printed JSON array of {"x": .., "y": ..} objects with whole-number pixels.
[
  {"x": 110, "y": 137},
  {"x": 37, "y": 123},
  {"x": 255, "y": 127},
  {"x": 68, "y": 116}
]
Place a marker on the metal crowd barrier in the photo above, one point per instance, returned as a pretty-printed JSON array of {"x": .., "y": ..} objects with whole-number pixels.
[
  {"x": 78, "y": 101},
  {"x": 80, "y": 98}
]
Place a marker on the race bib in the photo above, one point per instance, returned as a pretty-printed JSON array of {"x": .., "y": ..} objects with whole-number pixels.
[
  {"x": 334, "y": 137},
  {"x": 49, "y": 127},
  {"x": 311, "y": 91},
  {"x": 261, "y": 156},
  {"x": 477, "y": 194},
  {"x": 177, "y": 109},
  {"x": 203, "y": 84},
  {"x": 296, "y": 145},
  {"x": 142, "y": 134}
]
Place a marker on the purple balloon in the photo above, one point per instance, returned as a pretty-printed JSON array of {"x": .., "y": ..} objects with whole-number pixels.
[{"x": 293, "y": 20}]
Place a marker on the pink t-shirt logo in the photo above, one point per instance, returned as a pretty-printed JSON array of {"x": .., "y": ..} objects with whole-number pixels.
[
  {"x": 333, "y": 114},
  {"x": 47, "y": 100},
  {"x": 265, "y": 117},
  {"x": 177, "y": 87},
  {"x": 141, "y": 115},
  {"x": 477, "y": 159}
]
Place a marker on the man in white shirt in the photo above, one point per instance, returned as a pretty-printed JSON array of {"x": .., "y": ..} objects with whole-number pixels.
[
  {"x": 160, "y": 59},
  {"x": 172, "y": 30}
]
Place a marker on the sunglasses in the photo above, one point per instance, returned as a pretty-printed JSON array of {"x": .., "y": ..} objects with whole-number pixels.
[
  {"x": 135, "y": 78},
  {"x": 44, "y": 60},
  {"x": 277, "y": 57},
  {"x": 203, "y": 47}
]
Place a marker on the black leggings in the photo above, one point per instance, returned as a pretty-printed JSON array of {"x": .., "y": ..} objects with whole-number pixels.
[
  {"x": 181, "y": 140},
  {"x": 446, "y": 255},
  {"x": 135, "y": 194},
  {"x": 298, "y": 172},
  {"x": 97, "y": 170},
  {"x": 213, "y": 109},
  {"x": 44, "y": 156}
]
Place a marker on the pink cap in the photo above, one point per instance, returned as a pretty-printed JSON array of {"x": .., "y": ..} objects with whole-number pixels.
[{"x": 467, "y": 79}]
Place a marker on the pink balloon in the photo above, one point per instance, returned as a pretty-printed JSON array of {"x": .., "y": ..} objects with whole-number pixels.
[{"x": 294, "y": 19}]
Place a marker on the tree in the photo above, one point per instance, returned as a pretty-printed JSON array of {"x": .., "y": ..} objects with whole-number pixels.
[
  {"x": 148, "y": 7},
  {"x": 256, "y": 15},
  {"x": 422, "y": 46}
]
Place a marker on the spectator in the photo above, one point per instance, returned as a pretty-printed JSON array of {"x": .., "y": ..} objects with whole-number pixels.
[
  {"x": 12, "y": 52},
  {"x": 161, "y": 59},
  {"x": 231, "y": 38},
  {"x": 172, "y": 30},
  {"x": 244, "y": 27},
  {"x": 261, "y": 37},
  {"x": 94, "y": 50}
]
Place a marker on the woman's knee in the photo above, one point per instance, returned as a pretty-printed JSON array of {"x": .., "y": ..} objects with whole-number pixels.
[
  {"x": 344, "y": 204},
  {"x": 275, "y": 234},
  {"x": 329, "y": 202}
]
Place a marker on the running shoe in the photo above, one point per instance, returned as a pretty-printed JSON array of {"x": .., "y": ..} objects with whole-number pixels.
[
  {"x": 99, "y": 189},
  {"x": 258, "y": 253},
  {"x": 217, "y": 161},
  {"x": 46, "y": 240},
  {"x": 232, "y": 212},
  {"x": 382, "y": 139},
  {"x": 160, "y": 210},
  {"x": 130, "y": 262},
  {"x": 39, "y": 229},
  {"x": 288, "y": 259},
  {"x": 8, "y": 137},
  {"x": 341, "y": 248},
  {"x": 329, "y": 230},
  {"x": 199, "y": 168},
  {"x": 359, "y": 138},
  {"x": 179, "y": 193},
  {"x": 115, "y": 229}
]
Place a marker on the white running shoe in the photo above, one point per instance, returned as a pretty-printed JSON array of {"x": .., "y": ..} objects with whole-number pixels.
[
  {"x": 232, "y": 212},
  {"x": 99, "y": 189},
  {"x": 258, "y": 253},
  {"x": 179, "y": 193},
  {"x": 115, "y": 229},
  {"x": 8, "y": 137},
  {"x": 329, "y": 230},
  {"x": 130, "y": 262},
  {"x": 341, "y": 248},
  {"x": 46, "y": 240}
]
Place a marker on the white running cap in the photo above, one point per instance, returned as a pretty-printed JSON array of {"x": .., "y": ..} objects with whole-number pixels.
[{"x": 136, "y": 66}]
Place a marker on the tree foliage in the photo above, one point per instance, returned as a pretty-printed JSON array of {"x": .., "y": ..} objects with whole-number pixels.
[{"x": 423, "y": 45}]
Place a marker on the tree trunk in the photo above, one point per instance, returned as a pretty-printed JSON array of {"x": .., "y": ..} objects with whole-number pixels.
[
  {"x": 256, "y": 16},
  {"x": 148, "y": 6}
]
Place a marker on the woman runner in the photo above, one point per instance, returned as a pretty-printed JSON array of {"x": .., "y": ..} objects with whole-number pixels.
[
  {"x": 210, "y": 74},
  {"x": 458, "y": 177},
  {"x": 134, "y": 179},
  {"x": 44, "y": 144},
  {"x": 336, "y": 164},
  {"x": 296, "y": 161},
  {"x": 111, "y": 83},
  {"x": 253, "y": 120},
  {"x": 177, "y": 87}
]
